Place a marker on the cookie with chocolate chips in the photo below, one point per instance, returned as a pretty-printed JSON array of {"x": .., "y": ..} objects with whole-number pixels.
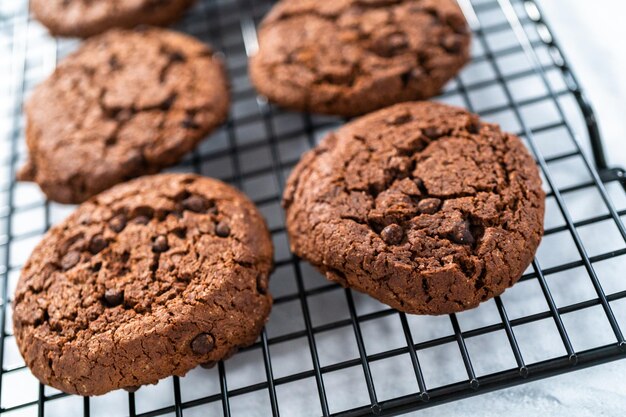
[
  {"x": 127, "y": 103},
  {"x": 421, "y": 205},
  {"x": 349, "y": 57},
  {"x": 82, "y": 18},
  {"x": 141, "y": 282}
]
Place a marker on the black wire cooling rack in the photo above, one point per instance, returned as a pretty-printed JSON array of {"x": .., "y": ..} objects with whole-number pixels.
[{"x": 331, "y": 351}]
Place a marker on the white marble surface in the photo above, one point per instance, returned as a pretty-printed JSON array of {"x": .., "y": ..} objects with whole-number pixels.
[{"x": 592, "y": 34}]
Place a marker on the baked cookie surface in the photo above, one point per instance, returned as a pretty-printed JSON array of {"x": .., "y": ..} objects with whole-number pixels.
[
  {"x": 349, "y": 57},
  {"x": 420, "y": 205},
  {"x": 144, "y": 281},
  {"x": 83, "y": 18},
  {"x": 127, "y": 103}
]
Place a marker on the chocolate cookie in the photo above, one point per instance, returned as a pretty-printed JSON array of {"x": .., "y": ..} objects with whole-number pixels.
[
  {"x": 84, "y": 18},
  {"x": 420, "y": 205},
  {"x": 143, "y": 281},
  {"x": 349, "y": 57},
  {"x": 127, "y": 103}
]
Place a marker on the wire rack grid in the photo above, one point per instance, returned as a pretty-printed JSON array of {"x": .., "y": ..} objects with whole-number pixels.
[{"x": 327, "y": 350}]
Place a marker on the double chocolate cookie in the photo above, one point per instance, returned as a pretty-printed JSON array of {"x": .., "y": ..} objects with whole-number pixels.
[
  {"x": 349, "y": 57},
  {"x": 127, "y": 103},
  {"x": 84, "y": 18},
  {"x": 420, "y": 205},
  {"x": 146, "y": 280}
]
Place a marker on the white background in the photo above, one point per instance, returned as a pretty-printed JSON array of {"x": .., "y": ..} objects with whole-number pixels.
[{"x": 591, "y": 34}]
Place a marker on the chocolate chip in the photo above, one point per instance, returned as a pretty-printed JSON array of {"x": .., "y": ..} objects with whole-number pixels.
[
  {"x": 473, "y": 127},
  {"x": 432, "y": 132},
  {"x": 168, "y": 102},
  {"x": 114, "y": 64},
  {"x": 112, "y": 112},
  {"x": 70, "y": 259},
  {"x": 97, "y": 243},
  {"x": 222, "y": 229},
  {"x": 177, "y": 57},
  {"x": 141, "y": 220},
  {"x": 132, "y": 389},
  {"x": 414, "y": 74},
  {"x": 452, "y": 43},
  {"x": 208, "y": 365},
  {"x": 391, "y": 45},
  {"x": 405, "y": 77},
  {"x": 461, "y": 233},
  {"x": 96, "y": 267},
  {"x": 160, "y": 244},
  {"x": 161, "y": 214},
  {"x": 146, "y": 211},
  {"x": 117, "y": 223},
  {"x": 400, "y": 119},
  {"x": 429, "y": 205},
  {"x": 202, "y": 344},
  {"x": 113, "y": 297},
  {"x": 261, "y": 284},
  {"x": 196, "y": 203},
  {"x": 124, "y": 115},
  {"x": 189, "y": 123},
  {"x": 180, "y": 231},
  {"x": 111, "y": 140},
  {"x": 392, "y": 234}
]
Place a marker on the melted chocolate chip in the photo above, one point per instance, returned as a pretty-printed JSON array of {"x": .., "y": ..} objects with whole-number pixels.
[
  {"x": 400, "y": 119},
  {"x": 132, "y": 389},
  {"x": 432, "y": 132},
  {"x": 70, "y": 259},
  {"x": 429, "y": 205},
  {"x": 461, "y": 233},
  {"x": 473, "y": 128},
  {"x": 160, "y": 244},
  {"x": 180, "y": 231},
  {"x": 177, "y": 56},
  {"x": 391, "y": 45},
  {"x": 392, "y": 234},
  {"x": 113, "y": 297},
  {"x": 414, "y": 74},
  {"x": 452, "y": 43},
  {"x": 114, "y": 64},
  {"x": 222, "y": 229},
  {"x": 123, "y": 115},
  {"x": 143, "y": 211},
  {"x": 202, "y": 344},
  {"x": 196, "y": 203},
  {"x": 167, "y": 104},
  {"x": 143, "y": 220},
  {"x": 117, "y": 223},
  {"x": 97, "y": 244},
  {"x": 189, "y": 123}
]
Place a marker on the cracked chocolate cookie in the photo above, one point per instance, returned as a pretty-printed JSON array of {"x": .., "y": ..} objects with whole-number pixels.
[
  {"x": 83, "y": 18},
  {"x": 420, "y": 205},
  {"x": 349, "y": 57},
  {"x": 144, "y": 281},
  {"x": 127, "y": 103}
]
